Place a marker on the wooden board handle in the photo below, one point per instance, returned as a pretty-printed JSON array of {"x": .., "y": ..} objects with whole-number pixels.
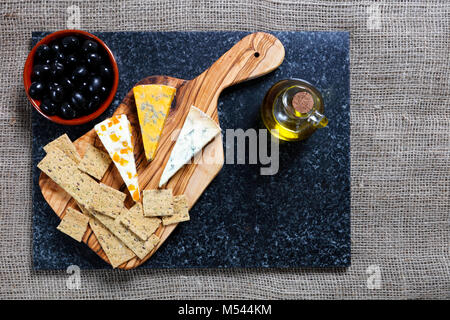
[{"x": 255, "y": 55}]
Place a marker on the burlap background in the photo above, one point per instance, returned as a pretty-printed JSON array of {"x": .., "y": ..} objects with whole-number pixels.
[{"x": 400, "y": 157}]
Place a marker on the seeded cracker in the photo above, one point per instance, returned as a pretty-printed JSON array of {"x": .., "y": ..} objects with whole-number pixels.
[
  {"x": 139, "y": 247},
  {"x": 64, "y": 172},
  {"x": 180, "y": 211},
  {"x": 158, "y": 202},
  {"x": 74, "y": 224},
  {"x": 64, "y": 144},
  {"x": 84, "y": 211},
  {"x": 114, "y": 192},
  {"x": 114, "y": 249},
  {"x": 84, "y": 189},
  {"x": 95, "y": 162},
  {"x": 57, "y": 165},
  {"x": 107, "y": 202},
  {"x": 141, "y": 226}
]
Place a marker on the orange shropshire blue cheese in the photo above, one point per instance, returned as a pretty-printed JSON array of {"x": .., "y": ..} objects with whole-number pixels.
[
  {"x": 115, "y": 134},
  {"x": 153, "y": 104}
]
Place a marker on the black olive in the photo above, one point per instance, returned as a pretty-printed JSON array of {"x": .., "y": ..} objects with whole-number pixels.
[
  {"x": 71, "y": 60},
  {"x": 40, "y": 72},
  {"x": 93, "y": 104},
  {"x": 52, "y": 85},
  {"x": 55, "y": 48},
  {"x": 106, "y": 73},
  {"x": 36, "y": 90},
  {"x": 96, "y": 99},
  {"x": 43, "y": 52},
  {"x": 48, "y": 107},
  {"x": 67, "y": 84},
  {"x": 84, "y": 87},
  {"x": 80, "y": 73},
  {"x": 93, "y": 60},
  {"x": 66, "y": 111},
  {"x": 89, "y": 46},
  {"x": 81, "y": 61},
  {"x": 78, "y": 101},
  {"x": 57, "y": 69},
  {"x": 104, "y": 92},
  {"x": 57, "y": 94},
  {"x": 60, "y": 57},
  {"x": 70, "y": 43},
  {"x": 95, "y": 84}
]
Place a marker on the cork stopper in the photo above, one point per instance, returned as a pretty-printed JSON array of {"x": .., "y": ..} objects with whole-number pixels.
[{"x": 303, "y": 102}]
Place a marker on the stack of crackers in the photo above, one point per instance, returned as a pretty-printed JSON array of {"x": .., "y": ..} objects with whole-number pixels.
[{"x": 122, "y": 233}]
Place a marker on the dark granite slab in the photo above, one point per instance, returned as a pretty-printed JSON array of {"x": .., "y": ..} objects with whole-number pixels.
[{"x": 299, "y": 217}]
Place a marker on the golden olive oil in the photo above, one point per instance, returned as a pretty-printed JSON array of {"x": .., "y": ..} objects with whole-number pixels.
[{"x": 292, "y": 110}]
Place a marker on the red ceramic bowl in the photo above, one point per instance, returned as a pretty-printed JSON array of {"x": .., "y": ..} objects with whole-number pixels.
[{"x": 29, "y": 69}]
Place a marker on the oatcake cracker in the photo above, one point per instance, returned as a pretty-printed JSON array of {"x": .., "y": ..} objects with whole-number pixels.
[
  {"x": 95, "y": 162},
  {"x": 140, "y": 225},
  {"x": 139, "y": 247},
  {"x": 115, "y": 250},
  {"x": 158, "y": 202},
  {"x": 114, "y": 192},
  {"x": 84, "y": 210},
  {"x": 74, "y": 224},
  {"x": 64, "y": 144},
  {"x": 180, "y": 211},
  {"x": 84, "y": 189},
  {"x": 57, "y": 165},
  {"x": 64, "y": 172},
  {"x": 107, "y": 203}
]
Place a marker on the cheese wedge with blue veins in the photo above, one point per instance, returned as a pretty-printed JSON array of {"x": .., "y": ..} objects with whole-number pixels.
[
  {"x": 197, "y": 131},
  {"x": 115, "y": 134},
  {"x": 153, "y": 105}
]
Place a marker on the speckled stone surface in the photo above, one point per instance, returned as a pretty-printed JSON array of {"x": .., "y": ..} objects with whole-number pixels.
[{"x": 299, "y": 217}]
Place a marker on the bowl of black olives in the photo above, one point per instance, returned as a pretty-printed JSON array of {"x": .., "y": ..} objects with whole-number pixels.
[{"x": 70, "y": 77}]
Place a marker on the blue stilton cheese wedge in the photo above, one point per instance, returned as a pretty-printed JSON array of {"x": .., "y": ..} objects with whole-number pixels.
[{"x": 197, "y": 131}]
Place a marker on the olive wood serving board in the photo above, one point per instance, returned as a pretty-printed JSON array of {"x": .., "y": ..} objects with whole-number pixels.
[{"x": 255, "y": 55}]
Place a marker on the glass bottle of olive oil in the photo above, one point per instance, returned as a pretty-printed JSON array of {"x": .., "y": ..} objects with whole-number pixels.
[{"x": 293, "y": 109}]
